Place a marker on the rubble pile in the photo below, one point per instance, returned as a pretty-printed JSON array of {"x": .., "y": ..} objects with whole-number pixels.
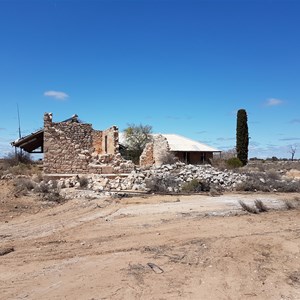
[
  {"x": 114, "y": 164},
  {"x": 173, "y": 176}
]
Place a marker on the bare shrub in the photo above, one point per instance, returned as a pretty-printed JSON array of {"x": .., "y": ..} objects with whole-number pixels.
[
  {"x": 49, "y": 192},
  {"x": 53, "y": 196},
  {"x": 43, "y": 187},
  {"x": 20, "y": 169},
  {"x": 54, "y": 184},
  {"x": 218, "y": 163},
  {"x": 297, "y": 199},
  {"x": 264, "y": 182},
  {"x": 22, "y": 186},
  {"x": 25, "y": 182},
  {"x": 38, "y": 177},
  {"x": 161, "y": 184},
  {"x": 13, "y": 159},
  {"x": 289, "y": 205},
  {"x": 247, "y": 208},
  {"x": 286, "y": 186},
  {"x": 168, "y": 158},
  {"x": 83, "y": 182},
  {"x": 195, "y": 186},
  {"x": 292, "y": 204},
  {"x": 260, "y": 206},
  {"x": 272, "y": 174},
  {"x": 253, "y": 184},
  {"x": 216, "y": 189},
  {"x": 229, "y": 153},
  {"x": 294, "y": 278}
]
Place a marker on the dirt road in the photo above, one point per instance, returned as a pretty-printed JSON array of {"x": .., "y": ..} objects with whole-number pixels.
[{"x": 189, "y": 247}]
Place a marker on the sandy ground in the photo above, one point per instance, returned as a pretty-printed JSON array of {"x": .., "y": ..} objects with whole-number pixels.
[{"x": 159, "y": 247}]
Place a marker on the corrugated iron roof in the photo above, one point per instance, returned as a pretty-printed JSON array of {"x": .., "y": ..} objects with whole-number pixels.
[
  {"x": 179, "y": 143},
  {"x": 184, "y": 144},
  {"x": 30, "y": 142}
]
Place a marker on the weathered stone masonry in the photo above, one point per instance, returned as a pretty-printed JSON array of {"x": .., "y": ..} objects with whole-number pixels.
[
  {"x": 76, "y": 148},
  {"x": 154, "y": 152}
]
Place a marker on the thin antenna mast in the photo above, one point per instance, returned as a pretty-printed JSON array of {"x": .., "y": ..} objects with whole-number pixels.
[
  {"x": 19, "y": 121},
  {"x": 19, "y": 157}
]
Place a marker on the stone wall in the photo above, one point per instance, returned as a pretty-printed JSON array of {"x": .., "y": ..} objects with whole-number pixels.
[
  {"x": 160, "y": 149},
  {"x": 155, "y": 152},
  {"x": 67, "y": 146},
  {"x": 110, "y": 141},
  {"x": 97, "y": 141},
  {"x": 71, "y": 147},
  {"x": 146, "y": 158}
]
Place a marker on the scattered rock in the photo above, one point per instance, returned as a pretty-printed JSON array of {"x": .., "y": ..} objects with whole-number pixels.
[
  {"x": 172, "y": 176},
  {"x": 155, "y": 268}
]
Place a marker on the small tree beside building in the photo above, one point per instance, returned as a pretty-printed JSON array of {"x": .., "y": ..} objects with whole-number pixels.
[
  {"x": 136, "y": 137},
  {"x": 242, "y": 136}
]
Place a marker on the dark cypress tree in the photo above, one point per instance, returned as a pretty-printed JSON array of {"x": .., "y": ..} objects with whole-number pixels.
[{"x": 242, "y": 136}]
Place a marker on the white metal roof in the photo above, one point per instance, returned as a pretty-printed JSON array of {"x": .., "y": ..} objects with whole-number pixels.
[{"x": 181, "y": 143}]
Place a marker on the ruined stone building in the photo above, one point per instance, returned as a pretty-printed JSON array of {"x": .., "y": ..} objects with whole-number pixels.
[
  {"x": 182, "y": 148},
  {"x": 73, "y": 147}
]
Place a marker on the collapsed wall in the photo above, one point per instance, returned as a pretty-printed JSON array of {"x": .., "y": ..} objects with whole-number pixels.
[
  {"x": 170, "y": 178},
  {"x": 155, "y": 152},
  {"x": 71, "y": 147}
]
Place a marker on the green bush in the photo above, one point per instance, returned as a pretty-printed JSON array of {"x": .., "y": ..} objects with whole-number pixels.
[{"x": 234, "y": 163}]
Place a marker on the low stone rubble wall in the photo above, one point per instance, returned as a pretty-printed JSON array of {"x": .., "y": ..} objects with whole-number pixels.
[{"x": 176, "y": 174}]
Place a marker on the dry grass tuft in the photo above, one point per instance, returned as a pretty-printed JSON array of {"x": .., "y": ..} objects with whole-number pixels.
[
  {"x": 289, "y": 205},
  {"x": 22, "y": 186},
  {"x": 260, "y": 206},
  {"x": 248, "y": 208}
]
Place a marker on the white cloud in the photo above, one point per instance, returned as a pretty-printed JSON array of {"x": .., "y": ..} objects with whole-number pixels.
[
  {"x": 273, "y": 102},
  {"x": 290, "y": 139},
  {"x": 56, "y": 95}
]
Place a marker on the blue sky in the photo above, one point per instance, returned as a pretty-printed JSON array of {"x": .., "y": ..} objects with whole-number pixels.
[{"x": 183, "y": 67}]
